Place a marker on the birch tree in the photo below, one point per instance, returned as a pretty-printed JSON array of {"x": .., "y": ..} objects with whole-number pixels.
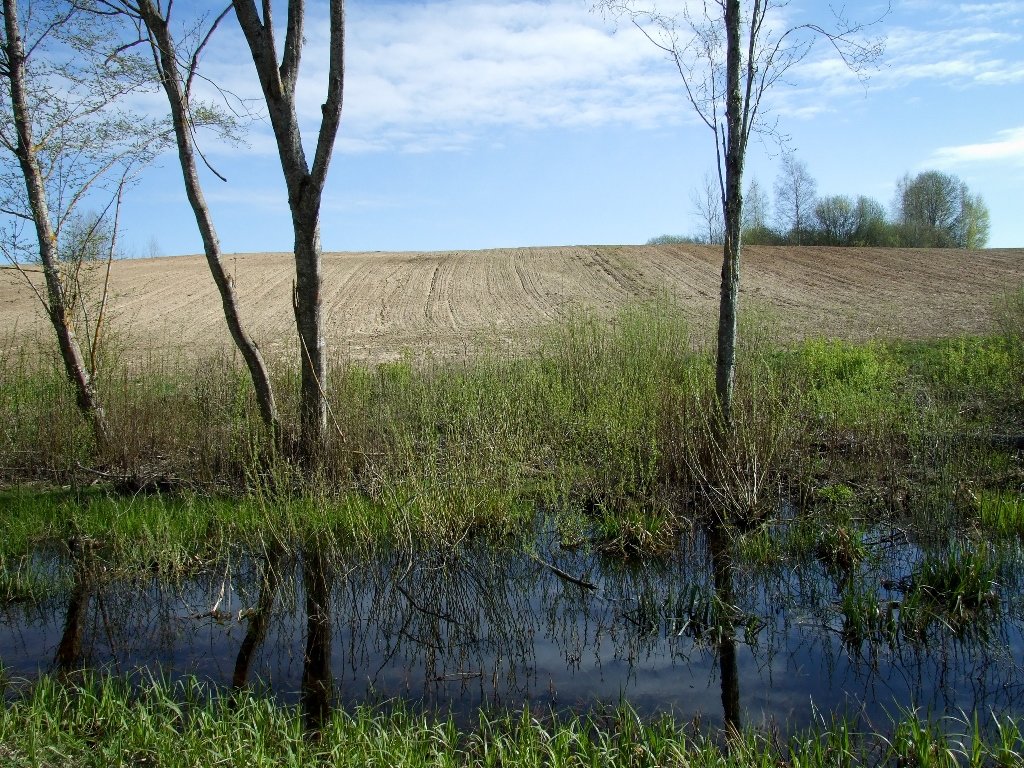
[
  {"x": 177, "y": 74},
  {"x": 66, "y": 144},
  {"x": 730, "y": 54},
  {"x": 795, "y": 196},
  {"x": 755, "y": 207},
  {"x": 707, "y": 207},
  {"x": 278, "y": 76}
]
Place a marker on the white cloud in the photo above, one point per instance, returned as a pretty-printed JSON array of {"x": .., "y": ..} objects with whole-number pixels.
[
  {"x": 455, "y": 69},
  {"x": 940, "y": 43},
  {"x": 993, "y": 11},
  {"x": 444, "y": 75},
  {"x": 438, "y": 76},
  {"x": 1008, "y": 146}
]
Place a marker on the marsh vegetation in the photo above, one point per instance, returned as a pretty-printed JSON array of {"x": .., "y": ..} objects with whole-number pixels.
[{"x": 542, "y": 557}]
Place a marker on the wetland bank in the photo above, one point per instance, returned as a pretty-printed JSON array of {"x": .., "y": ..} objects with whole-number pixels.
[{"x": 532, "y": 559}]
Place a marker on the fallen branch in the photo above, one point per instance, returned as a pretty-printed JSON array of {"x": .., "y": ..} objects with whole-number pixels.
[{"x": 563, "y": 575}]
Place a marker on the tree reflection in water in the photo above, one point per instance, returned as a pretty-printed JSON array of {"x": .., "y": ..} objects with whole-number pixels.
[
  {"x": 69, "y": 656},
  {"x": 478, "y": 625},
  {"x": 720, "y": 549},
  {"x": 317, "y": 682},
  {"x": 258, "y": 618}
]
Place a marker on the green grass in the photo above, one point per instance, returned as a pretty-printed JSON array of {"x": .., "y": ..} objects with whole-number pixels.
[
  {"x": 23, "y": 581},
  {"x": 105, "y": 723},
  {"x": 956, "y": 587},
  {"x": 1001, "y": 513},
  {"x": 609, "y": 423}
]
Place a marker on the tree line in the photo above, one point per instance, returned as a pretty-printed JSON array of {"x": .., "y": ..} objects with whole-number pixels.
[{"x": 930, "y": 210}]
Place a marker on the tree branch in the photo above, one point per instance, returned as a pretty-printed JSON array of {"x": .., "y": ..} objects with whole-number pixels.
[
  {"x": 331, "y": 108},
  {"x": 194, "y": 63},
  {"x": 293, "y": 43}
]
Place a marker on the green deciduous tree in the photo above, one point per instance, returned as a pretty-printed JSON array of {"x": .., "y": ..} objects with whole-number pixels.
[
  {"x": 873, "y": 228},
  {"x": 937, "y": 209},
  {"x": 835, "y": 218}
]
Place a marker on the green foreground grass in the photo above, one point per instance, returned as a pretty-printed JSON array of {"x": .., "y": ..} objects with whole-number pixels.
[{"x": 95, "y": 723}]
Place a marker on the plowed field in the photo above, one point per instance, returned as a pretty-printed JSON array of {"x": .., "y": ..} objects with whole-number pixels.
[{"x": 378, "y": 305}]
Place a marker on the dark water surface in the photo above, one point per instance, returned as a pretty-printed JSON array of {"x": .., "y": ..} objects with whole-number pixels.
[{"x": 695, "y": 634}]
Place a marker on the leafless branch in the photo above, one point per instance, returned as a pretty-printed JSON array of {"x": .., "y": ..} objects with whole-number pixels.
[{"x": 194, "y": 63}]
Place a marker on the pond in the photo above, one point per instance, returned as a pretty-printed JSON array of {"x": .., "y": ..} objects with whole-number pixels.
[{"x": 701, "y": 632}]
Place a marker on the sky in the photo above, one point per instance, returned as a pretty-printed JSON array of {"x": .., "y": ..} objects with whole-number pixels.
[{"x": 475, "y": 124}]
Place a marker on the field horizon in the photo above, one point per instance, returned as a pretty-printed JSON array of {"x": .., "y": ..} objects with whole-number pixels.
[{"x": 380, "y": 305}]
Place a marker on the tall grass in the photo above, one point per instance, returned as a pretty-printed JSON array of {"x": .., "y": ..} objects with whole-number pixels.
[
  {"x": 611, "y": 423},
  {"x": 106, "y": 723}
]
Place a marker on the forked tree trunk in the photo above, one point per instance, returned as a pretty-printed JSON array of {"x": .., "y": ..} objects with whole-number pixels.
[
  {"x": 167, "y": 62},
  {"x": 56, "y": 303},
  {"x": 305, "y": 184}
]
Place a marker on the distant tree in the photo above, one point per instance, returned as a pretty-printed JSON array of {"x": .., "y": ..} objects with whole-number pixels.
[
  {"x": 974, "y": 222},
  {"x": 674, "y": 240},
  {"x": 937, "y": 209},
  {"x": 795, "y": 191},
  {"x": 765, "y": 235},
  {"x": 755, "y": 207},
  {"x": 835, "y": 220},
  {"x": 707, "y": 207},
  {"x": 873, "y": 227},
  {"x": 757, "y": 229}
]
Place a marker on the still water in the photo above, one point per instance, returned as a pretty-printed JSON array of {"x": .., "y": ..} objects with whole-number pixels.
[{"x": 694, "y": 633}]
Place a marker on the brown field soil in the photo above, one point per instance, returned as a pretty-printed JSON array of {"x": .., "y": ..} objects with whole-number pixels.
[{"x": 380, "y": 305}]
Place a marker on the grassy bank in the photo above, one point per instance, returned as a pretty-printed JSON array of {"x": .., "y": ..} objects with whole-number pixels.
[
  {"x": 608, "y": 427},
  {"x": 92, "y": 723}
]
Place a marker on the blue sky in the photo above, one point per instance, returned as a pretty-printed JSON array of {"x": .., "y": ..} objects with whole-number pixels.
[{"x": 475, "y": 124}]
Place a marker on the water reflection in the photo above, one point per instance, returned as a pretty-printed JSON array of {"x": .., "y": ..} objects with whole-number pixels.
[
  {"x": 719, "y": 548},
  {"x": 476, "y": 626},
  {"x": 68, "y": 657},
  {"x": 317, "y": 683},
  {"x": 258, "y": 618}
]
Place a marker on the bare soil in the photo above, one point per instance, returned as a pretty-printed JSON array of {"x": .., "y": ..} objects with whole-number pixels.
[{"x": 380, "y": 305}]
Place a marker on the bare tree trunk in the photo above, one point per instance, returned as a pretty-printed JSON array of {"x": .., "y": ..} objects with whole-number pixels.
[
  {"x": 305, "y": 185},
  {"x": 725, "y": 368},
  {"x": 309, "y": 324},
  {"x": 56, "y": 305},
  {"x": 167, "y": 58}
]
